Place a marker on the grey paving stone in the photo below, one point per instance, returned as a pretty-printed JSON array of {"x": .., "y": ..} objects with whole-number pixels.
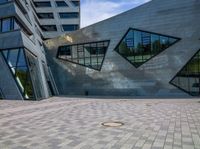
[{"x": 71, "y": 123}]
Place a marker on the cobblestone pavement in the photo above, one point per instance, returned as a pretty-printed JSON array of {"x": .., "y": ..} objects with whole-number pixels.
[{"x": 74, "y": 123}]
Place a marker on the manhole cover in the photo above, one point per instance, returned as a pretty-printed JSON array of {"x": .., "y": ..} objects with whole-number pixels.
[
  {"x": 112, "y": 124},
  {"x": 148, "y": 105}
]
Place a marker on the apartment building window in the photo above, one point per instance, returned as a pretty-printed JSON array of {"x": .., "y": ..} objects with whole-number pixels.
[
  {"x": 8, "y": 24},
  {"x": 4, "y": 1},
  {"x": 75, "y": 3},
  {"x": 68, "y": 15},
  {"x": 48, "y": 28},
  {"x": 43, "y": 4},
  {"x": 61, "y": 4},
  {"x": 70, "y": 27},
  {"x": 45, "y": 15}
]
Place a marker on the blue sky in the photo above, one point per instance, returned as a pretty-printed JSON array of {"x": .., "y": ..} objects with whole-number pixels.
[{"x": 93, "y": 11}]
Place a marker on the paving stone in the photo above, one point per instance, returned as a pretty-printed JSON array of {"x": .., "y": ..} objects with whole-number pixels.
[{"x": 74, "y": 123}]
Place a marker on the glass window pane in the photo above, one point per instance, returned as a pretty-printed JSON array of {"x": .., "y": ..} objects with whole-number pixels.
[
  {"x": 141, "y": 47},
  {"x": 16, "y": 26},
  {"x": 35, "y": 75},
  {"x": 68, "y": 15},
  {"x": 189, "y": 77},
  {"x": 45, "y": 15},
  {"x": 17, "y": 63},
  {"x": 71, "y": 27},
  {"x": 172, "y": 40},
  {"x": 6, "y": 25},
  {"x": 12, "y": 58},
  {"x": 155, "y": 43},
  {"x": 164, "y": 42},
  {"x": 5, "y": 53},
  {"x": 43, "y": 4},
  {"x": 21, "y": 76},
  {"x": 137, "y": 42},
  {"x": 61, "y": 4},
  {"x": 21, "y": 61},
  {"x": 29, "y": 94},
  {"x": 89, "y": 54},
  {"x": 48, "y": 28},
  {"x": 75, "y": 3}
]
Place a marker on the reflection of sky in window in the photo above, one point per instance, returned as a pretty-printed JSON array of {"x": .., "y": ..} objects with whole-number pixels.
[
  {"x": 13, "y": 58},
  {"x": 21, "y": 61}
]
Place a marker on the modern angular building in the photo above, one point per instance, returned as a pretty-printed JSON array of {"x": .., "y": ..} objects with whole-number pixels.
[
  {"x": 149, "y": 51},
  {"x": 24, "y": 25}
]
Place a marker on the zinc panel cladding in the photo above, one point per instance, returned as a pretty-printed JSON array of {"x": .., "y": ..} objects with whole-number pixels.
[{"x": 171, "y": 19}]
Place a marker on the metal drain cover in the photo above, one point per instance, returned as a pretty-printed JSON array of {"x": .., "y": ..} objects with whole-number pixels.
[{"x": 112, "y": 124}]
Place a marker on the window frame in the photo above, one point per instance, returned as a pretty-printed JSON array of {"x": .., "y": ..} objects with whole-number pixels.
[
  {"x": 56, "y": 3},
  {"x": 24, "y": 49},
  {"x": 84, "y": 57},
  {"x": 41, "y": 26},
  {"x": 60, "y": 14},
  {"x": 140, "y": 30},
  {"x": 49, "y": 2},
  {"x": 45, "y": 13},
  {"x": 182, "y": 69},
  {"x": 62, "y": 27}
]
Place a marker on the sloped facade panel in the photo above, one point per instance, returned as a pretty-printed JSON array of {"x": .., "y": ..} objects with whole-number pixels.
[{"x": 119, "y": 77}]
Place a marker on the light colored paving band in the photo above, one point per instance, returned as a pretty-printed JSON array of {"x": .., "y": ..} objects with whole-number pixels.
[
  {"x": 61, "y": 106},
  {"x": 29, "y": 107}
]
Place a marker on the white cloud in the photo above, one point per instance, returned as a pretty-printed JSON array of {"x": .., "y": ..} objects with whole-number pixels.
[{"x": 93, "y": 11}]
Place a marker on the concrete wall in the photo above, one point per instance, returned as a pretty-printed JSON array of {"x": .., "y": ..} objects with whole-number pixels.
[{"x": 118, "y": 76}]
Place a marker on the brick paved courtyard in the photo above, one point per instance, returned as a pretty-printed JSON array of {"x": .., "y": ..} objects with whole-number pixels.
[{"x": 72, "y": 123}]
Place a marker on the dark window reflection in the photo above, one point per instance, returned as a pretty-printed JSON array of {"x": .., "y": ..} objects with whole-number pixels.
[
  {"x": 35, "y": 74},
  {"x": 70, "y": 27},
  {"x": 90, "y": 54},
  {"x": 188, "y": 79},
  {"x": 139, "y": 46},
  {"x": 24, "y": 67},
  {"x": 6, "y": 25},
  {"x": 18, "y": 65},
  {"x": 9, "y": 24}
]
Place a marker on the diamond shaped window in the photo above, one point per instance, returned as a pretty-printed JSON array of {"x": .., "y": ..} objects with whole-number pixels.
[
  {"x": 139, "y": 46},
  {"x": 188, "y": 78},
  {"x": 87, "y": 54}
]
